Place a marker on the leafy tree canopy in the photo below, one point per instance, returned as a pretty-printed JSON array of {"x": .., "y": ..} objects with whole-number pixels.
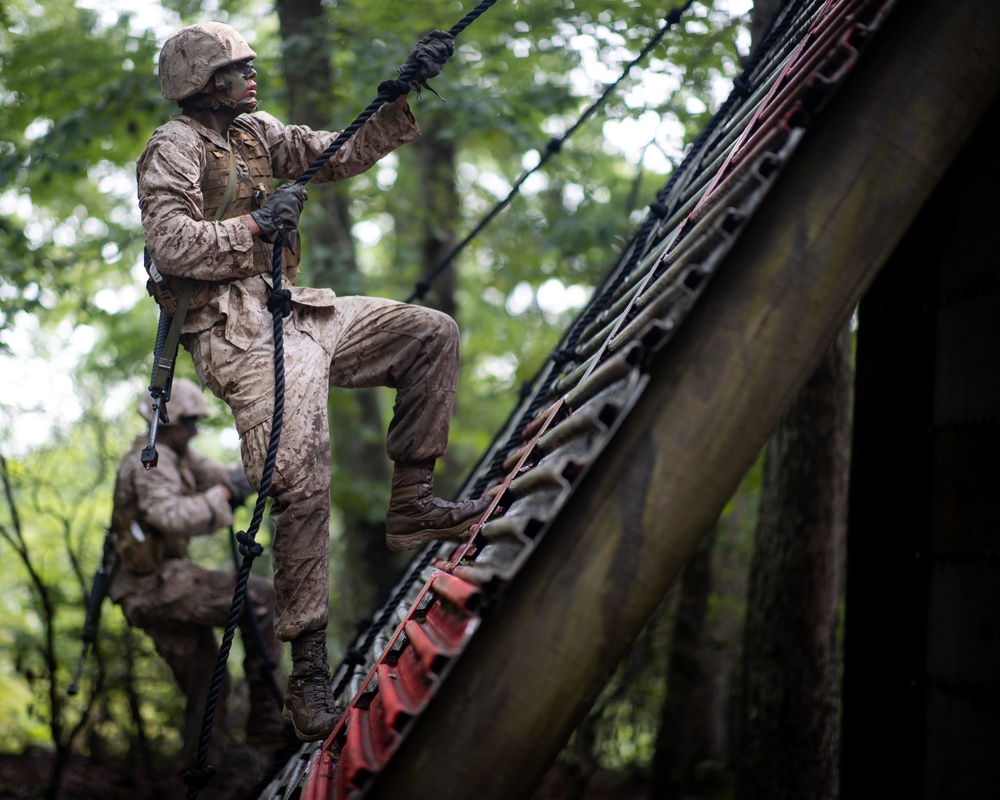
[{"x": 78, "y": 100}]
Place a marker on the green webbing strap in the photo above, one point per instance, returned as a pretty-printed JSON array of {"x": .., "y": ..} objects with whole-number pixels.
[{"x": 227, "y": 198}]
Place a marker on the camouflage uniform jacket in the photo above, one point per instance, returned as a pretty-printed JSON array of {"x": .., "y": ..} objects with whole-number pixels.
[
  {"x": 181, "y": 498},
  {"x": 177, "y": 182},
  {"x": 180, "y": 187}
]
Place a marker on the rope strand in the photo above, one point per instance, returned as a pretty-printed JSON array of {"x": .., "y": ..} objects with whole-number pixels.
[{"x": 280, "y": 306}]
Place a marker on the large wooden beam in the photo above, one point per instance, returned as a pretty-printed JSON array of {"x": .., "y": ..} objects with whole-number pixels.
[{"x": 859, "y": 178}]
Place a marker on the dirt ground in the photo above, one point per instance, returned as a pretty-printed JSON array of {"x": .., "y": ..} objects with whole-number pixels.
[{"x": 25, "y": 777}]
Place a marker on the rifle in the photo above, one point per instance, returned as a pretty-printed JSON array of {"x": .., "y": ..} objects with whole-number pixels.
[
  {"x": 98, "y": 591},
  {"x": 168, "y": 328},
  {"x": 168, "y": 334}
]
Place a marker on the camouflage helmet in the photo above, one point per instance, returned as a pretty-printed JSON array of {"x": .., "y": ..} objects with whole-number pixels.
[
  {"x": 186, "y": 400},
  {"x": 191, "y": 56}
]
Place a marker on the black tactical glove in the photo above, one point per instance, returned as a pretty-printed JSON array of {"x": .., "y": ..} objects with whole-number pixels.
[
  {"x": 239, "y": 488},
  {"x": 427, "y": 58},
  {"x": 282, "y": 209}
]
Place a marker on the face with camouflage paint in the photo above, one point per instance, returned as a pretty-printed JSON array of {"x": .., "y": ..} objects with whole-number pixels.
[{"x": 236, "y": 82}]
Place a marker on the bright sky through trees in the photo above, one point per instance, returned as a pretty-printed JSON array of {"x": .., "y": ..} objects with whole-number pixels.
[{"x": 41, "y": 393}]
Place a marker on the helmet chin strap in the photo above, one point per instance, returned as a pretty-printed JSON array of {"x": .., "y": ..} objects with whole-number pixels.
[{"x": 228, "y": 84}]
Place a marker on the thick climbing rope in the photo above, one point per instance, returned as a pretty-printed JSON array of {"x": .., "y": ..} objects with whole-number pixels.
[
  {"x": 258, "y": 635},
  {"x": 553, "y": 147},
  {"x": 279, "y": 304},
  {"x": 659, "y": 209},
  {"x": 355, "y": 654}
]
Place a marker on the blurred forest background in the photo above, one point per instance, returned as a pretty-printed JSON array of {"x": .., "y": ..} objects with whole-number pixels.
[{"x": 78, "y": 100}]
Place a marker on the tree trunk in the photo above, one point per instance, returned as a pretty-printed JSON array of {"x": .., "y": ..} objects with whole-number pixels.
[
  {"x": 684, "y": 737},
  {"x": 436, "y": 156},
  {"x": 439, "y": 213},
  {"x": 357, "y": 427},
  {"x": 763, "y": 12},
  {"x": 789, "y": 743}
]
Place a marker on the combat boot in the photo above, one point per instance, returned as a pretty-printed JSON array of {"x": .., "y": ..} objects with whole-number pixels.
[
  {"x": 416, "y": 516},
  {"x": 309, "y": 705}
]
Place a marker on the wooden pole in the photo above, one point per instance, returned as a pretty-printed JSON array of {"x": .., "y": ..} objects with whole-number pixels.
[{"x": 718, "y": 390}]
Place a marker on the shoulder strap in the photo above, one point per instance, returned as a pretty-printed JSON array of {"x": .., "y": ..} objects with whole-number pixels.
[
  {"x": 166, "y": 357},
  {"x": 227, "y": 198},
  {"x": 184, "y": 297}
]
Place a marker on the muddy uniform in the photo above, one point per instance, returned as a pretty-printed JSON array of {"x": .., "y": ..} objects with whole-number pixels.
[
  {"x": 351, "y": 342},
  {"x": 176, "y": 602}
]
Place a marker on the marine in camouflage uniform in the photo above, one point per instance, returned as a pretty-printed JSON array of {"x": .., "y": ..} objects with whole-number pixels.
[
  {"x": 195, "y": 232},
  {"x": 175, "y": 601}
]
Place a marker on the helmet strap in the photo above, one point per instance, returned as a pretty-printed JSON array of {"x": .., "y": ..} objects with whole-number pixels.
[{"x": 230, "y": 84}]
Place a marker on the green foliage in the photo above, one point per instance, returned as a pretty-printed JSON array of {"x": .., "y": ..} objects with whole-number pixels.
[
  {"x": 78, "y": 102},
  {"x": 624, "y": 722},
  {"x": 78, "y": 99}
]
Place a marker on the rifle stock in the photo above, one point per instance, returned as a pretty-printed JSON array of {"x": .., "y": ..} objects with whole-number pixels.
[
  {"x": 159, "y": 387},
  {"x": 98, "y": 591}
]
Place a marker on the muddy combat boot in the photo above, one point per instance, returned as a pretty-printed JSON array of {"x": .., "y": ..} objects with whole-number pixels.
[
  {"x": 416, "y": 516},
  {"x": 309, "y": 706}
]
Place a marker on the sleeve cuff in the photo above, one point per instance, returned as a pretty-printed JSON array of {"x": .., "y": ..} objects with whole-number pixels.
[
  {"x": 219, "y": 503},
  {"x": 398, "y": 123},
  {"x": 237, "y": 230}
]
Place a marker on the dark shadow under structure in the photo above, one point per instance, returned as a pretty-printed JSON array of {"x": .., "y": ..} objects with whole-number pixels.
[
  {"x": 922, "y": 672},
  {"x": 845, "y": 155}
]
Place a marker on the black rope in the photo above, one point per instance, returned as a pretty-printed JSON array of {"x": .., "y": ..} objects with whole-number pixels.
[
  {"x": 237, "y": 541},
  {"x": 659, "y": 209},
  {"x": 567, "y": 350},
  {"x": 553, "y": 147},
  {"x": 387, "y": 90},
  {"x": 202, "y": 774},
  {"x": 279, "y": 304}
]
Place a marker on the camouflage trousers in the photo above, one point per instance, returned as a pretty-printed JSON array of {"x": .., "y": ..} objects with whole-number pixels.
[
  {"x": 349, "y": 342},
  {"x": 180, "y": 610}
]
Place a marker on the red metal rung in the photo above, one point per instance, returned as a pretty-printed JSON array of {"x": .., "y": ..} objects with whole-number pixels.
[
  {"x": 430, "y": 652},
  {"x": 462, "y": 594},
  {"x": 396, "y": 689},
  {"x": 323, "y": 770},
  {"x": 315, "y": 783},
  {"x": 358, "y": 760},
  {"x": 445, "y": 625}
]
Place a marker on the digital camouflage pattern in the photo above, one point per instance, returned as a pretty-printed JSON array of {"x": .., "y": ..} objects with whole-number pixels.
[
  {"x": 190, "y": 57},
  {"x": 351, "y": 342},
  {"x": 176, "y": 602}
]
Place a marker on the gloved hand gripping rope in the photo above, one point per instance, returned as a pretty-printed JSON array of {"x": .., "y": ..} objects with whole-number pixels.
[
  {"x": 278, "y": 219},
  {"x": 425, "y": 61}
]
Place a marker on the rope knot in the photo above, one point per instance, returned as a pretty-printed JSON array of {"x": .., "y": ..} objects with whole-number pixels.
[
  {"x": 280, "y": 300},
  {"x": 248, "y": 545},
  {"x": 564, "y": 356},
  {"x": 392, "y": 88},
  {"x": 743, "y": 86},
  {"x": 199, "y": 778},
  {"x": 658, "y": 209}
]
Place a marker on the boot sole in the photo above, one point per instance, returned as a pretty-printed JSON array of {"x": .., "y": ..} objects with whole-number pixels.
[
  {"x": 307, "y": 737},
  {"x": 397, "y": 542}
]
